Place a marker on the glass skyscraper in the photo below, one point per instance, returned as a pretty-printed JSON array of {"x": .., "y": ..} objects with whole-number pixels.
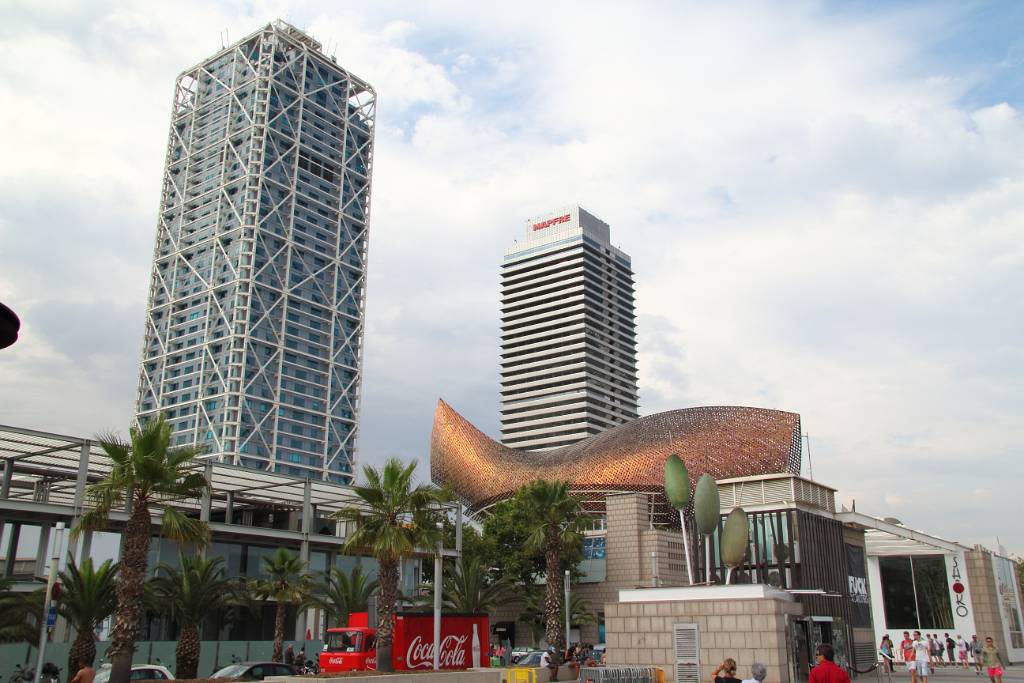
[
  {"x": 568, "y": 333},
  {"x": 254, "y": 326}
]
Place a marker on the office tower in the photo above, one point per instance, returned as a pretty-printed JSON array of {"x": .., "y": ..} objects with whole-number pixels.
[
  {"x": 568, "y": 333},
  {"x": 254, "y": 327}
]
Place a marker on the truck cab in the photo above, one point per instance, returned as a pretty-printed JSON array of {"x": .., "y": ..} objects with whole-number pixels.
[{"x": 350, "y": 648}]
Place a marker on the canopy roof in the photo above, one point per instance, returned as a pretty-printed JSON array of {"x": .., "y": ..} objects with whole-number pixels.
[{"x": 45, "y": 463}]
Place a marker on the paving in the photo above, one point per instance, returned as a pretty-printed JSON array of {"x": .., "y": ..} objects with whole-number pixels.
[{"x": 1011, "y": 674}]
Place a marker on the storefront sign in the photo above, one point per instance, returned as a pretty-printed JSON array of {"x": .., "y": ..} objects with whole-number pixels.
[
  {"x": 857, "y": 586},
  {"x": 958, "y": 590}
]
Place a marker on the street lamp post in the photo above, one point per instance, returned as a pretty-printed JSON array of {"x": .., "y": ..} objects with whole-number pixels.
[
  {"x": 58, "y": 543},
  {"x": 437, "y": 596},
  {"x": 566, "y": 609}
]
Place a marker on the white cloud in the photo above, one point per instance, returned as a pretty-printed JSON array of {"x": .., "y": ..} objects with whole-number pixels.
[{"x": 817, "y": 221}]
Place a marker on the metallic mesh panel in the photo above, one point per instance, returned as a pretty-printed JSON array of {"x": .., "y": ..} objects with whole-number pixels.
[{"x": 724, "y": 441}]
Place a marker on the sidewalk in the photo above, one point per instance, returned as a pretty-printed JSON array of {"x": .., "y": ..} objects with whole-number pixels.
[{"x": 1011, "y": 674}]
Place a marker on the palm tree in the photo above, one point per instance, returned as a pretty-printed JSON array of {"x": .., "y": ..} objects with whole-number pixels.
[
  {"x": 18, "y": 611},
  {"x": 340, "y": 594},
  {"x": 188, "y": 595},
  {"x": 88, "y": 597},
  {"x": 286, "y": 584},
  {"x": 144, "y": 472},
  {"x": 467, "y": 587},
  {"x": 393, "y": 520},
  {"x": 555, "y": 525}
]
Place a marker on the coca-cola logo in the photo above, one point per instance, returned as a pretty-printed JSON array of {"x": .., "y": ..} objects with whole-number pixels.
[{"x": 453, "y": 653}]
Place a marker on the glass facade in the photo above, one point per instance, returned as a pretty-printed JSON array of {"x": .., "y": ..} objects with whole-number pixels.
[
  {"x": 1009, "y": 598},
  {"x": 915, "y": 592},
  {"x": 254, "y": 327}
]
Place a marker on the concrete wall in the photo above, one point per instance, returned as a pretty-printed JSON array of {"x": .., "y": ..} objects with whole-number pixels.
[
  {"x": 748, "y": 629},
  {"x": 984, "y": 596}
]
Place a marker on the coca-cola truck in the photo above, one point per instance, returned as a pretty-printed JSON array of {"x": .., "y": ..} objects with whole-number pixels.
[{"x": 464, "y": 643}]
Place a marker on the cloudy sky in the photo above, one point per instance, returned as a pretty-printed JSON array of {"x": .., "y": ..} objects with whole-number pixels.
[{"x": 824, "y": 204}]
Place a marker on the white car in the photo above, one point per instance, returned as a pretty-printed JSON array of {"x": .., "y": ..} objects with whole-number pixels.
[{"x": 140, "y": 672}]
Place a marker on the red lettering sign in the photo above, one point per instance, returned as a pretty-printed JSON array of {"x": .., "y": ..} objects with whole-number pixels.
[
  {"x": 453, "y": 653},
  {"x": 551, "y": 221}
]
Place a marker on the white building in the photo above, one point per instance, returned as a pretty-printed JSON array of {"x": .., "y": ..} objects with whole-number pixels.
[
  {"x": 920, "y": 582},
  {"x": 254, "y": 326},
  {"x": 568, "y": 333}
]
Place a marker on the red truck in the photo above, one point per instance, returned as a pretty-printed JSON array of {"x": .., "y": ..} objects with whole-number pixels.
[{"x": 464, "y": 643}]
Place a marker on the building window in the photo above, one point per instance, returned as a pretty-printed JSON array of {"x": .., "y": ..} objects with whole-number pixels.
[{"x": 915, "y": 592}]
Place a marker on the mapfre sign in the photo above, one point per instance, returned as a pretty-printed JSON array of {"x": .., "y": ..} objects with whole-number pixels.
[{"x": 552, "y": 221}]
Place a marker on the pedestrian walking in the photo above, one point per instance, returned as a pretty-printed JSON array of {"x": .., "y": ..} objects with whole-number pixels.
[
  {"x": 950, "y": 649},
  {"x": 886, "y": 651},
  {"x": 919, "y": 670},
  {"x": 937, "y": 650},
  {"x": 289, "y": 655},
  {"x": 826, "y": 671},
  {"x": 976, "y": 648},
  {"x": 961, "y": 650},
  {"x": 907, "y": 648},
  {"x": 992, "y": 658}
]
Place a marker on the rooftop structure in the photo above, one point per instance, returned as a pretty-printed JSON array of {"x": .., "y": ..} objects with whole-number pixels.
[
  {"x": 254, "y": 326},
  {"x": 568, "y": 333}
]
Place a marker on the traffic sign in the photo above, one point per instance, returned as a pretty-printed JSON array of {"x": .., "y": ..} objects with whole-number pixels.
[{"x": 51, "y": 617}]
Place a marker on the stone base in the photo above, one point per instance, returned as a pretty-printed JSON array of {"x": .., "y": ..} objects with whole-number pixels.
[{"x": 746, "y": 622}]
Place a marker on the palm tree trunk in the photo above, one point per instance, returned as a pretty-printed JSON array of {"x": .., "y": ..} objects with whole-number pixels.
[
  {"x": 279, "y": 633},
  {"x": 83, "y": 651},
  {"x": 186, "y": 654},
  {"x": 385, "y": 612},
  {"x": 130, "y": 580},
  {"x": 553, "y": 593}
]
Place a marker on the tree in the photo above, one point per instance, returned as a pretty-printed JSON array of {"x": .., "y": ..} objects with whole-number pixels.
[
  {"x": 553, "y": 525},
  {"x": 187, "y": 594},
  {"x": 88, "y": 596},
  {"x": 468, "y": 587},
  {"x": 286, "y": 584},
  {"x": 533, "y": 612},
  {"x": 340, "y": 594},
  {"x": 145, "y": 471},
  {"x": 504, "y": 543},
  {"x": 393, "y": 520},
  {"x": 19, "y": 614}
]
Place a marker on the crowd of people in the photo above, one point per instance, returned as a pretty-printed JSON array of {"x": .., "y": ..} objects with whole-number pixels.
[{"x": 923, "y": 655}]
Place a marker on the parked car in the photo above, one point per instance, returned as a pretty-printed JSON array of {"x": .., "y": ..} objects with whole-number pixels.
[
  {"x": 530, "y": 659},
  {"x": 517, "y": 653},
  {"x": 254, "y": 671},
  {"x": 140, "y": 672}
]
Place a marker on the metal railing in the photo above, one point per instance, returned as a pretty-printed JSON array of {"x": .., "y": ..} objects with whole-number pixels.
[{"x": 619, "y": 674}]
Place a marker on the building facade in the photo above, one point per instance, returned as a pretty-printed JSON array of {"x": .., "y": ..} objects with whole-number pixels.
[
  {"x": 568, "y": 333},
  {"x": 254, "y": 326}
]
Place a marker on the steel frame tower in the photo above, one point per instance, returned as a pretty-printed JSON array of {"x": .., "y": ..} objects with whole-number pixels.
[
  {"x": 568, "y": 333},
  {"x": 254, "y": 326}
]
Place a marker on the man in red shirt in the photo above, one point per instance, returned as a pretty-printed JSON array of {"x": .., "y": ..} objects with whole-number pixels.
[{"x": 825, "y": 671}]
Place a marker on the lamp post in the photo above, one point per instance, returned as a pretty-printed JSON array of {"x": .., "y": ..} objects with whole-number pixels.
[
  {"x": 566, "y": 609},
  {"x": 58, "y": 543},
  {"x": 437, "y": 596}
]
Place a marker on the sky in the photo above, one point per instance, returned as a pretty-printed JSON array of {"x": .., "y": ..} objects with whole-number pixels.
[{"x": 823, "y": 204}]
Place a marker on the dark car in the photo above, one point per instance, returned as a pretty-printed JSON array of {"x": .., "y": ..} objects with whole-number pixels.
[{"x": 254, "y": 671}]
